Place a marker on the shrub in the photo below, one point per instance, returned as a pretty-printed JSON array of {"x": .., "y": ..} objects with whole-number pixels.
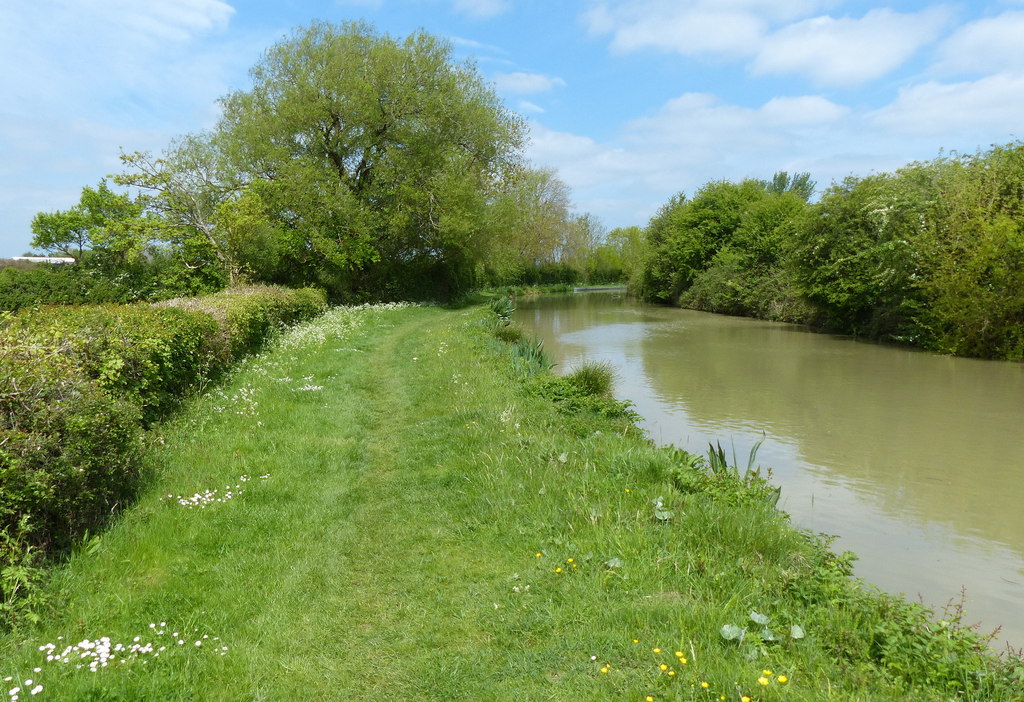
[
  {"x": 69, "y": 457},
  {"x": 246, "y": 316},
  {"x": 77, "y": 386},
  {"x": 148, "y": 356}
]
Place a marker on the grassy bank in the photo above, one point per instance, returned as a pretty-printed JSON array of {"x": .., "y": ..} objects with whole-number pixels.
[{"x": 382, "y": 508}]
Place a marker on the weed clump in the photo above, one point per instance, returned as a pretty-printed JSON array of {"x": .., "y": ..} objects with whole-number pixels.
[{"x": 593, "y": 378}]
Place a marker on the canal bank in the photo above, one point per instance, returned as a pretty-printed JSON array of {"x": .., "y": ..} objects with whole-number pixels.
[{"x": 914, "y": 460}]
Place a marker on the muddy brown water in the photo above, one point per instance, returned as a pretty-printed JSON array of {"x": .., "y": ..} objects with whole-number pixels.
[{"x": 914, "y": 461}]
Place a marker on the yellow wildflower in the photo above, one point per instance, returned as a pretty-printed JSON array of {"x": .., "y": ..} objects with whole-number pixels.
[
  {"x": 767, "y": 673},
  {"x": 636, "y": 640},
  {"x": 558, "y": 570},
  {"x": 763, "y": 680},
  {"x": 679, "y": 654},
  {"x": 663, "y": 666},
  {"x": 782, "y": 679},
  {"x": 538, "y": 554},
  {"x": 656, "y": 650},
  {"x": 649, "y": 698},
  {"x": 705, "y": 685},
  {"x": 744, "y": 699},
  {"x": 604, "y": 669},
  {"x": 569, "y": 561},
  {"x": 671, "y": 673}
]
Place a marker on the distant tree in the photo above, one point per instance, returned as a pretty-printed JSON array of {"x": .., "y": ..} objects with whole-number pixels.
[
  {"x": 108, "y": 225},
  {"x": 685, "y": 235},
  {"x": 528, "y": 219},
  {"x": 799, "y": 184}
]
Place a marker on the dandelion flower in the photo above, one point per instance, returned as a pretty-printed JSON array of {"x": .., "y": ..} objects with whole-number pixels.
[
  {"x": 767, "y": 673},
  {"x": 663, "y": 666},
  {"x": 744, "y": 699},
  {"x": 569, "y": 560},
  {"x": 782, "y": 679},
  {"x": 705, "y": 685},
  {"x": 763, "y": 681},
  {"x": 636, "y": 641},
  {"x": 558, "y": 570},
  {"x": 671, "y": 673},
  {"x": 649, "y": 698},
  {"x": 656, "y": 650},
  {"x": 538, "y": 554},
  {"x": 682, "y": 661},
  {"x": 679, "y": 654},
  {"x": 604, "y": 669}
]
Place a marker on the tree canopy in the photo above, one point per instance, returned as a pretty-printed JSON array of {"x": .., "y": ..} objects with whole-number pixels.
[{"x": 373, "y": 160}]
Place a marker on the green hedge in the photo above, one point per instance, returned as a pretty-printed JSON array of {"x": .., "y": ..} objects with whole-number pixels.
[
  {"x": 78, "y": 387},
  {"x": 246, "y": 315},
  {"x": 146, "y": 355}
]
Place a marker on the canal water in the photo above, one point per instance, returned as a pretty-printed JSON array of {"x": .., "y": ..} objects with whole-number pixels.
[{"x": 914, "y": 461}]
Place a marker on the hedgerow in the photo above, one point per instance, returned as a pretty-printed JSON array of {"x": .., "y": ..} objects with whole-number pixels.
[{"x": 80, "y": 385}]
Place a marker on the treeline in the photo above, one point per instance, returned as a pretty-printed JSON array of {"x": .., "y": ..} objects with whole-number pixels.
[
  {"x": 931, "y": 255},
  {"x": 369, "y": 166}
]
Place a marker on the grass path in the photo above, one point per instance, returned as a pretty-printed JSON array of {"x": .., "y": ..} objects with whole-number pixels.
[{"x": 416, "y": 527}]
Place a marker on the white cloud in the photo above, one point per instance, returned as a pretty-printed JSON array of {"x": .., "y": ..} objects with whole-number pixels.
[
  {"x": 527, "y": 106},
  {"x": 804, "y": 110},
  {"x": 848, "y": 51},
  {"x": 582, "y": 162},
  {"x": 691, "y": 27},
  {"x": 991, "y": 104},
  {"x": 475, "y": 45},
  {"x": 526, "y": 83},
  {"x": 987, "y": 45},
  {"x": 482, "y": 9}
]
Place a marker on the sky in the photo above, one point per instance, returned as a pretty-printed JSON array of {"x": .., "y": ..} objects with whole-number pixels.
[{"x": 630, "y": 101}]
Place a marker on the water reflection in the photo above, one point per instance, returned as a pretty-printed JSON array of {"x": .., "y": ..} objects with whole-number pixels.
[{"x": 915, "y": 460}]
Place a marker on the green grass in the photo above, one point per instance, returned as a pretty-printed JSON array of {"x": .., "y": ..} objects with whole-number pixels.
[{"x": 431, "y": 527}]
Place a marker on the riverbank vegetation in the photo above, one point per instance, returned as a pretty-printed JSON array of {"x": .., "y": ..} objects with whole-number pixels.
[
  {"x": 930, "y": 255},
  {"x": 388, "y": 505}
]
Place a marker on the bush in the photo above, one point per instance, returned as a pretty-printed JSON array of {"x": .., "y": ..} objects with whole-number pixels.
[
  {"x": 146, "y": 355},
  {"x": 69, "y": 458},
  {"x": 78, "y": 385},
  {"x": 246, "y": 316}
]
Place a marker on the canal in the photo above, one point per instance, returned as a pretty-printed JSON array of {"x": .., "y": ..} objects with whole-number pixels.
[{"x": 914, "y": 461}]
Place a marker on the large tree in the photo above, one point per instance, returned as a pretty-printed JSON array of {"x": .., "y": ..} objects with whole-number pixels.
[{"x": 373, "y": 158}]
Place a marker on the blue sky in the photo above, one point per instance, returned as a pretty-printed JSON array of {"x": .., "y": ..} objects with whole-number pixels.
[{"x": 629, "y": 100}]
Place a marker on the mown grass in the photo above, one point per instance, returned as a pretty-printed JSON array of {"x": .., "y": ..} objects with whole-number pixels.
[{"x": 421, "y": 521}]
